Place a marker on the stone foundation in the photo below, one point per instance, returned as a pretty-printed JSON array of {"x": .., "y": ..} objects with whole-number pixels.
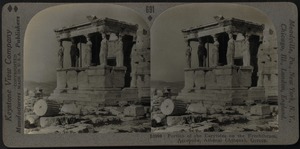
[{"x": 101, "y": 84}]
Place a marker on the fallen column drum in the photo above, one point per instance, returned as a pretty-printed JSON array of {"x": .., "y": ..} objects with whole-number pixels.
[
  {"x": 46, "y": 108},
  {"x": 173, "y": 107}
]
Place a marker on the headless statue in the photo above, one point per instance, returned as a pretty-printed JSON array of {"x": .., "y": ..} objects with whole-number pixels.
[
  {"x": 202, "y": 53},
  {"x": 260, "y": 63},
  {"x": 230, "y": 50},
  {"x": 103, "y": 51},
  {"x": 188, "y": 55},
  {"x": 246, "y": 52},
  {"x": 60, "y": 56},
  {"x": 119, "y": 53},
  {"x": 214, "y": 53},
  {"x": 74, "y": 53},
  {"x": 88, "y": 54}
]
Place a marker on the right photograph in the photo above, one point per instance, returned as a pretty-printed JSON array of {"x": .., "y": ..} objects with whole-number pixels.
[{"x": 214, "y": 69}]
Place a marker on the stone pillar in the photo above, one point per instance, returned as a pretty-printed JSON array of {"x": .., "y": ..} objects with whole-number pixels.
[
  {"x": 246, "y": 51},
  {"x": 260, "y": 62},
  {"x": 119, "y": 53},
  {"x": 230, "y": 50},
  {"x": 60, "y": 55},
  {"x": 103, "y": 50},
  {"x": 74, "y": 53},
  {"x": 202, "y": 53},
  {"x": 214, "y": 59},
  {"x": 188, "y": 55},
  {"x": 88, "y": 51}
]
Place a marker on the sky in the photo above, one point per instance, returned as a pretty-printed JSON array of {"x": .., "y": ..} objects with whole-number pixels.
[
  {"x": 167, "y": 42},
  {"x": 41, "y": 45}
]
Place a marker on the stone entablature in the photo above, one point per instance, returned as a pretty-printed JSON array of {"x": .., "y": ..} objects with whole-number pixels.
[
  {"x": 106, "y": 25},
  {"x": 232, "y": 25}
]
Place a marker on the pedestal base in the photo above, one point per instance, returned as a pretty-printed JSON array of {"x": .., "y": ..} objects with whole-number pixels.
[
  {"x": 215, "y": 96},
  {"x": 256, "y": 94},
  {"x": 105, "y": 96}
]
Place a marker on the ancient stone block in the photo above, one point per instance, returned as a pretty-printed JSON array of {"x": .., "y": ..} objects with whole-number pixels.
[
  {"x": 32, "y": 119},
  {"x": 271, "y": 80},
  {"x": 244, "y": 76},
  {"x": 61, "y": 79},
  {"x": 134, "y": 111},
  {"x": 223, "y": 70},
  {"x": 143, "y": 92},
  {"x": 129, "y": 94},
  {"x": 100, "y": 81},
  {"x": 72, "y": 79},
  {"x": 99, "y": 70},
  {"x": 260, "y": 110},
  {"x": 70, "y": 108},
  {"x": 226, "y": 81},
  {"x": 115, "y": 110},
  {"x": 197, "y": 108},
  {"x": 238, "y": 101},
  {"x": 147, "y": 80},
  {"x": 83, "y": 80},
  {"x": 256, "y": 94},
  {"x": 107, "y": 97},
  {"x": 199, "y": 79},
  {"x": 140, "y": 82},
  {"x": 215, "y": 109},
  {"x": 210, "y": 80},
  {"x": 118, "y": 76},
  {"x": 189, "y": 79},
  {"x": 271, "y": 91},
  {"x": 143, "y": 68},
  {"x": 145, "y": 53}
]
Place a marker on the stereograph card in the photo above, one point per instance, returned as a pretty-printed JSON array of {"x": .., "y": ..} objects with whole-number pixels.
[{"x": 132, "y": 74}]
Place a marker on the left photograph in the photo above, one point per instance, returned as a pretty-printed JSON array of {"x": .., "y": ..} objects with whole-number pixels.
[{"x": 87, "y": 70}]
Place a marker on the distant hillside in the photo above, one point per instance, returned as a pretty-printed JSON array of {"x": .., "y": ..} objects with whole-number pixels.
[
  {"x": 176, "y": 87},
  {"x": 47, "y": 87}
]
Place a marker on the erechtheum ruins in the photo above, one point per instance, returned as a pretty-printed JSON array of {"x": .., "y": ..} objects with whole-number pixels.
[
  {"x": 233, "y": 87},
  {"x": 107, "y": 83},
  {"x": 230, "y": 70},
  {"x": 102, "y": 70}
]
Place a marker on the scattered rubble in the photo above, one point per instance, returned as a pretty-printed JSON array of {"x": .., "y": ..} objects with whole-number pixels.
[
  {"x": 201, "y": 117},
  {"x": 79, "y": 118}
]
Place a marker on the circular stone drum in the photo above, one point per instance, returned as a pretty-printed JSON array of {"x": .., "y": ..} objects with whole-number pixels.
[
  {"x": 46, "y": 108},
  {"x": 173, "y": 107}
]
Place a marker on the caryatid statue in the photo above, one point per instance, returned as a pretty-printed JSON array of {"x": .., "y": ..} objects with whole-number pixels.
[
  {"x": 103, "y": 50},
  {"x": 202, "y": 53},
  {"x": 88, "y": 51},
  {"x": 74, "y": 53},
  {"x": 246, "y": 51},
  {"x": 119, "y": 53},
  {"x": 261, "y": 58},
  {"x": 188, "y": 55},
  {"x": 134, "y": 63},
  {"x": 214, "y": 59},
  {"x": 230, "y": 50},
  {"x": 60, "y": 55}
]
